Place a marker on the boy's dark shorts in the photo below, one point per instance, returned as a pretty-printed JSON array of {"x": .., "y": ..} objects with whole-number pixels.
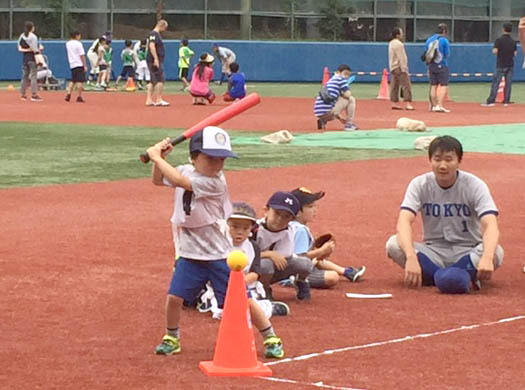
[
  {"x": 156, "y": 74},
  {"x": 190, "y": 277},
  {"x": 438, "y": 74},
  {"x": 127, "y": 71},
  {"x": 78, "y": 75},
  {"x": 183, "y": 73}
]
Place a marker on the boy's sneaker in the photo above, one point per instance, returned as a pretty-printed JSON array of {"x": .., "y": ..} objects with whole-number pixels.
[
  {"x": 273, "y": 347},
  {"x": 321, "y": 124},
  {"x": 169, "y": 346},
  {"x": 23, "y": 98},
  {"x": 303, "y": 290},
  {"x": 354, "y": 274},
  {"x": 288, "y": 282},
  {"x": 67, "y": 98},
  {"x": 280, "y": 309},
  {"x": 80, "y": 100},
  {"x": 487, "y": 104},
  {"x": 36, "y": 98}
]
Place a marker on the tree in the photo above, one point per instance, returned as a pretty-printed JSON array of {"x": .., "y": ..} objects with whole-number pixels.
[{"x": 331, "y": 26}]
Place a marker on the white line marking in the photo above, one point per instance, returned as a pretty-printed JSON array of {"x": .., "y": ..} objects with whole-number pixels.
[
  {"x": 393, "y": 341},
  {"x": 316, "y": 384}
]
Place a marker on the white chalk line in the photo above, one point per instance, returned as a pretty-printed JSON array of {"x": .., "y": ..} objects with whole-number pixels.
[
  {"x": 320, "y": 385},
  {"x": 394, "y": 341}
]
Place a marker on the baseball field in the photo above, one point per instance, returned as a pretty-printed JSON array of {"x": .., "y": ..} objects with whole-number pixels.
[{"x": 86, "y": 253}]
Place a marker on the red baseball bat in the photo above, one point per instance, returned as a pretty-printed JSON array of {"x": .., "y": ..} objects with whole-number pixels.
[{"x": 216, "y": 118}]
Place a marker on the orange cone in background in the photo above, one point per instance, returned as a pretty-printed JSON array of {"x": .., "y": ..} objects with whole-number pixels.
[
  {"x": 235, "y": 352},
  {"x": 326, "y": 75},
  {"x": 10, "y": 87},
  {"x": 501, "y": 89},
  {"x": 130, "y": 85},
  {"x": 383, "y": 94}
]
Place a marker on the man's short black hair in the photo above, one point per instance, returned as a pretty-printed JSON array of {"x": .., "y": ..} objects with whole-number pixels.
[
  {"x": 445, "y": 143},
  {"x": 234, "y": 67},
  {"x": 441, "y": 28},
  {"x": 396, "y": 31},
  {"x": 507, "y": 27},
  {"x": 128, "y": 43},
  {"x": 343, "y": 67}
]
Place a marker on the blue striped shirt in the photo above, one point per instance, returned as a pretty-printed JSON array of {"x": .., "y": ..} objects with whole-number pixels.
[{"x": 336, "y": 86}]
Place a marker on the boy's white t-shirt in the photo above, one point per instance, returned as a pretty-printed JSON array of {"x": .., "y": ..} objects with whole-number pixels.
[
  {"x": 281, "y": 241},
  {"x": 204, "y": 233},
  {"x": 74, "y": 51}
]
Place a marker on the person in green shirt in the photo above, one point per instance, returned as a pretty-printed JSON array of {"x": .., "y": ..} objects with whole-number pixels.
[
  {"x": 128, "y": 68},
  {"x": 185, "y": 54}
]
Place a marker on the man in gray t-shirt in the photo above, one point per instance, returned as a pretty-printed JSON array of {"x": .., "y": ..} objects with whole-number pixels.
[{"x": 460, "y": 228}]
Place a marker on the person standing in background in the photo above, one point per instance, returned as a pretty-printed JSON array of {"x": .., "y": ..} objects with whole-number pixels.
[
  {"x": 505, "y": 48},
  {"x": 438, "y": 71},
  {"x": 28, "y": 46},
  {"x": 155, "y": 60},
  {"x": 398, "y": 64},
  {"x": 185, "y": 54}
]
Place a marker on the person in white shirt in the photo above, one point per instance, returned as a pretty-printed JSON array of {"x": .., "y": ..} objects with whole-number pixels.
[{"x": 77, "y": 63}]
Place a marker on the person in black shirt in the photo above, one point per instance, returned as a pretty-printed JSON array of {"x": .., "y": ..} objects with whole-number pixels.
[
  {"x": 155, "y": 61},
  {"x": 505, "y": 49}
]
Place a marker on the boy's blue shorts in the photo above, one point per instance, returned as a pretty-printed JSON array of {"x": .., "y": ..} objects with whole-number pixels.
[{"x": 190, "y": 277}]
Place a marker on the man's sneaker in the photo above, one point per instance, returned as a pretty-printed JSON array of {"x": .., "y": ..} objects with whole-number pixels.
[
  {"x": 354, "y": 274},
  {"x": 80, "y": 100},
  {"x": 68, "y": 97},
  {"x": 350, "y": 127},
  {"x": 162, "y": 103},
  {"x": 23, "y": 98},
  {"x": 169, "y": 346},
  {"x": 273, "y": 347},
  {"x": 487, "y": 104},
  {"x": 303, "y": 290},
  {"x": 439, "y": 109},
  {"x": 280, "y": 309},
  {"x": 36, "y": 98},
  {"x": 321, "y": 124}
]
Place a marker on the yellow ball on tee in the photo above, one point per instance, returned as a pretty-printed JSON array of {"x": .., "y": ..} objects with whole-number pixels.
[{"x": 236, "y": 260}]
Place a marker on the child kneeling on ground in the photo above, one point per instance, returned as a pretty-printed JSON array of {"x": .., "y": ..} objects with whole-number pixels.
[
  {"x": 236, "y": 84},
  {"x": 200, "y": 80}
]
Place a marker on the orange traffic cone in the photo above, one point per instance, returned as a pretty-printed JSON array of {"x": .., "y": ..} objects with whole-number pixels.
[
  {"x": 383, "y": 94},
  {"x": 326, "y": 75},
  {"x": 501, "y": 89},
  {"x": 130, "y": 85},
  {"x": 235, "y": 352},
  {"x": 10, "y": 87}
]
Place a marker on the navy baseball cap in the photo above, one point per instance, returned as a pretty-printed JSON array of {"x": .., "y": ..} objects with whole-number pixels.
[
  {"x": 285, "y": 201},
  {"x": 452, "y": 280},
  {"x": 306, "y": 196},
  {"x": 212, "y": 141}
]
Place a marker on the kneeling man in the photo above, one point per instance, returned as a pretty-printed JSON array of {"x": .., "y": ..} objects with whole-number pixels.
[{"x": 460, "y": 228}]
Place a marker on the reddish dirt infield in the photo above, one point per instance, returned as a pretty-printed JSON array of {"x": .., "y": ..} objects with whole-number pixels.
[
  {"x": 273, "y": 113},
  {"x": 85, "y": 269}
]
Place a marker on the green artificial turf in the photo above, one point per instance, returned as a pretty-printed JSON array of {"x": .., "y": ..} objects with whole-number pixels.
[{"x": 40, "y": 154}]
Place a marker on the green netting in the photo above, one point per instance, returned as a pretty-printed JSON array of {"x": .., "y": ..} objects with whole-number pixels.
[{"x": 488, "y": 139}]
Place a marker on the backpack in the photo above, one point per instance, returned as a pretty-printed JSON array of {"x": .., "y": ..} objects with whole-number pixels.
[
  {"x": 430, "y": 54},
  {"x": 325, "y": 96}
]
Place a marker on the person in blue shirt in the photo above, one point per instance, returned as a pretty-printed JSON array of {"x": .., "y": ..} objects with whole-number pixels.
[
  {"x": 335, "y": 99},
  {"x": 438, "y": 71},
  {"x": 236, "y": 84}
]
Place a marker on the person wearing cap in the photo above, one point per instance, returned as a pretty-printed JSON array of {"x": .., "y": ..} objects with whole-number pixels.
[
  {"x": 438, "y": 72},
  {"x": 155, "y": 61},
  {"x": 275, "y": 238},
  {"x": 460, "y": 228},
  {"x": 325, "y": 273},
  {"x": 200, "y": 231},
  {"x": 226, "y": 56},
  {"x": 200, "y": 80}
]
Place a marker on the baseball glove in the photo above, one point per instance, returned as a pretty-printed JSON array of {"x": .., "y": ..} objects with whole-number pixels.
[{"x": 321, "y": 240}]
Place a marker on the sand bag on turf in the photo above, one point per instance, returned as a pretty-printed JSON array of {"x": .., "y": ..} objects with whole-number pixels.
[
  {"x": 407, "y": 124},
  {"x": 422, "y": 143},
  {"x": 279, "y": 137}
]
